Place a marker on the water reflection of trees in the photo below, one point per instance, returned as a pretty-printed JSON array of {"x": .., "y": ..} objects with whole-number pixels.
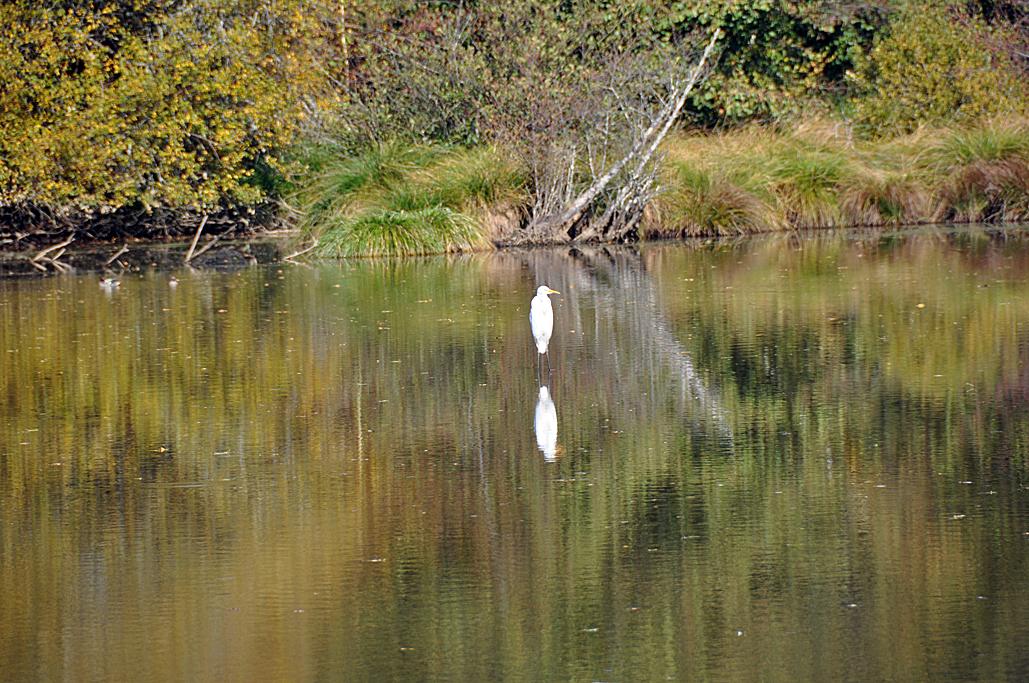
[{"x": 359, "y": 444}]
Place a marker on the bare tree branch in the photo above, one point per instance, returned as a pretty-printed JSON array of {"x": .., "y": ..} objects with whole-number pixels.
[{"x": 640, "y": 153}]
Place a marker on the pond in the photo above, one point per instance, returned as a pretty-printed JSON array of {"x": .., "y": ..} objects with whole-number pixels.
[{"x": 787, "y": 458}]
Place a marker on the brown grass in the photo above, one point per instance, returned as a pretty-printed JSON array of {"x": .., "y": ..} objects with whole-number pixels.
[{"x": 819, "y": 175}]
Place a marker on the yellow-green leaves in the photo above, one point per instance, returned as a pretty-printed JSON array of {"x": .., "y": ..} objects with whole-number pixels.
[
  {"x": 167, "y": 106},
  {"x": 936, "y": 67}
]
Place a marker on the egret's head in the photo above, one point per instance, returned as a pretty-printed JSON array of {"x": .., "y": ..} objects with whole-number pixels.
[{"x": 543, "y": 290}]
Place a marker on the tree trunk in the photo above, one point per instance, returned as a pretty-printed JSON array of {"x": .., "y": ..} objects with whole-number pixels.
[{"x": 621, "y": 218}]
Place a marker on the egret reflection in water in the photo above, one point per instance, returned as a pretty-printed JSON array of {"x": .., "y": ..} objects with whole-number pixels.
[{"x": 545, "y": 425}]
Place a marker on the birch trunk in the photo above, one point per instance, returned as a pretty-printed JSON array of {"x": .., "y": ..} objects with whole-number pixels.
[{"x": 622, "y": 216}]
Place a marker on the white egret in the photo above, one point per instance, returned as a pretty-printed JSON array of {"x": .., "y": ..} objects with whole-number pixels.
[
  {"x": 545, "y": 425},
  {"x": 541, "y": 317}
]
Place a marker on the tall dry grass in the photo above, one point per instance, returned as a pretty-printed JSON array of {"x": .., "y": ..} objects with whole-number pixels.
[
  {"x": 818, "y": 175},
  {"x": 983, "y": 173}
]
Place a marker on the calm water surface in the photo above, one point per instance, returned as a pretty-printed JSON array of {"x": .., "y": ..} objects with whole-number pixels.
[{"x": 796, "y": 458}]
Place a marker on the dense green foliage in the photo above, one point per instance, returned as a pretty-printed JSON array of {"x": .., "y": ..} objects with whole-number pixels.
[
  {"x": 157, "y": 102},
  {"x": 933, "y": 67},
  {"x": 466, "y": 75},
  {"x": 779, "y": 59},
  {"x": 449, "y": 72}
]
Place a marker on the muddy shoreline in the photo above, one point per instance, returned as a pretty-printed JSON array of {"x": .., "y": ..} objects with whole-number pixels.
[{"x": 137, "y": 255}]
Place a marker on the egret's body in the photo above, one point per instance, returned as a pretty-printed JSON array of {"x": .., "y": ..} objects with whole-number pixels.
[
  {"x": 541, "y": 317},
  {"x": 545, "y": 425}
]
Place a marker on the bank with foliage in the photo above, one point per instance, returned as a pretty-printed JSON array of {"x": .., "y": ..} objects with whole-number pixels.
[
  {"x": 432, "y": 199},
  {"x": 402, "y": 127},
  {"x": 116, "y": 115}
]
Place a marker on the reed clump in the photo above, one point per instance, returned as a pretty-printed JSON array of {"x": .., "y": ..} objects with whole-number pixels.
[
  {"x": 879, "y": 197},
  {"x": 819, "y": 175},
  {"x": 983, "y": 173},
  {"x": 409, "y": 199}
]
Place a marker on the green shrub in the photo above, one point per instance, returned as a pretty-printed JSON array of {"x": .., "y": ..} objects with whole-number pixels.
[
  {"x": 935, "y": 67},
  {"x": 154, "y": 103},
  {"x": 777, "y": 59}
]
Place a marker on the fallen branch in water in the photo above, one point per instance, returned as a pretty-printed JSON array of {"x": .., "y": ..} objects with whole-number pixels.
[
  {"x": 300, "y": 253},
  {"x": 124, "y": 248},
  {"x": 207, "y": 246},
  {"x": 42, "y": 257},
  {"x": 53, "y": 247},
  {"x": 58, "y": 266},
  {"x": 196, "y": 238}
]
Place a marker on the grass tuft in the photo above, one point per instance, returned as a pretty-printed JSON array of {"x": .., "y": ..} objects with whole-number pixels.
[
  {"x": 807, "y": 183},
  {"x": 876, "y": 198},
  {"x": 991, "y": 142},
  {"x": 703, "y": 203},
  {"x": 410, "y": 200},
  {"x": 983, "y": 173},
  {"x": 391, "y": 232},
  {"x": 986, "y": 191}
]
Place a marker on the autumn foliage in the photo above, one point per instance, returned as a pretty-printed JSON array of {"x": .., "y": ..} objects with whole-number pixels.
[
  {"x": 153, "y": 102},
  {"x": 161, "y": 107}
]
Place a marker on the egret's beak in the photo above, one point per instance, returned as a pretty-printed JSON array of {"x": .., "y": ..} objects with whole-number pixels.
[{"x": 553, "y": 291}]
